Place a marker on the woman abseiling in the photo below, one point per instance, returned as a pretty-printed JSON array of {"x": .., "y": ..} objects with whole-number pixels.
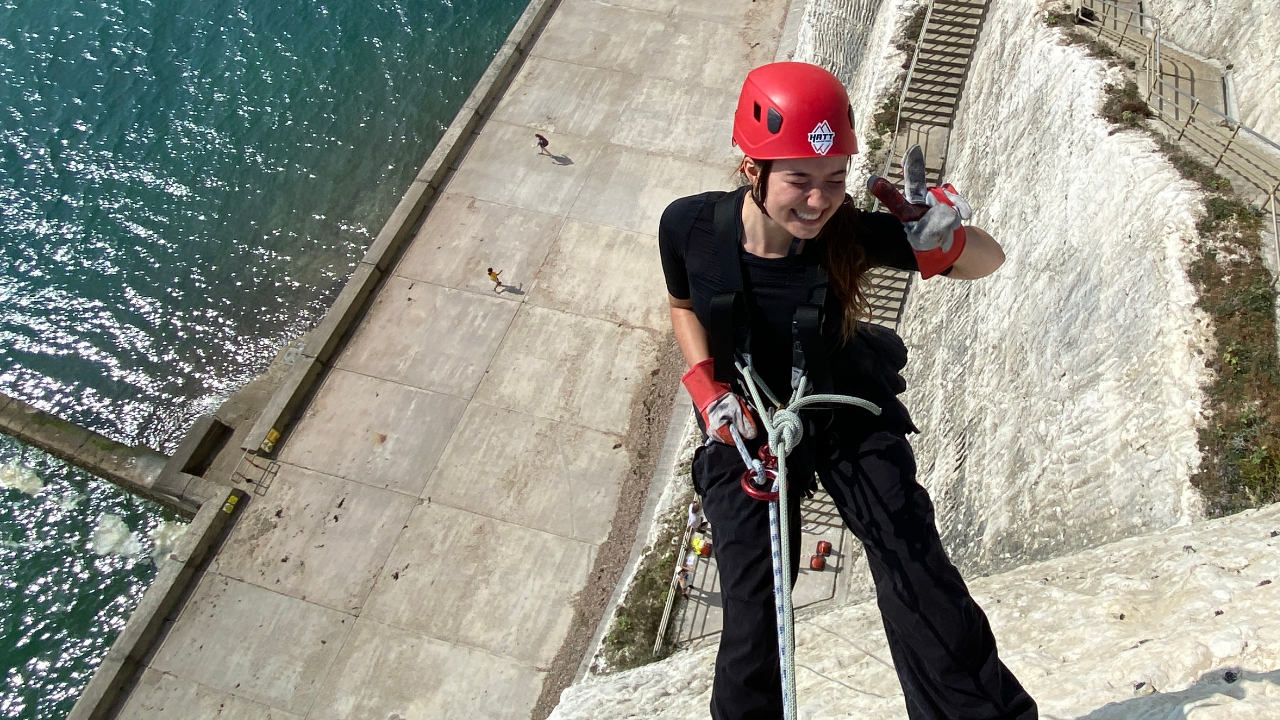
[{"x": 741, "y": 269}]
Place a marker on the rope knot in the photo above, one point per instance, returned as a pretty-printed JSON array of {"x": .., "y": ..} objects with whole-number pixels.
[{"x": 786, "y": 432}]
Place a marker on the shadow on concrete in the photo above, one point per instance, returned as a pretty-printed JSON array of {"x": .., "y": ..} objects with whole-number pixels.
[
  {"x": 511, "y": 289},
  {"x": 1213, "y": 688},
  {"x": 562, "y": 159},
  {"x": 820, "y": 513},
  {"x": 708, "y": 598}
]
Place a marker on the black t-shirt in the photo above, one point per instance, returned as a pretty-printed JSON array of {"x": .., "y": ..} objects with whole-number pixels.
[{"x": 693, "y": 270}]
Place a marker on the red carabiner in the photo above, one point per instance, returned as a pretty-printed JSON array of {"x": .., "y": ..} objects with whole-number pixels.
[{"x": 750, "y": 483}]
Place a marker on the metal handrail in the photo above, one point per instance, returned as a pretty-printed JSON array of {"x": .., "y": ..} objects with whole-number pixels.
[
  {"x": 1159, "y": 88},
  {"x": 1270, "y": 192},
  {"x": 1153, "y": 55},
  {"x": 671, "y": 594}
]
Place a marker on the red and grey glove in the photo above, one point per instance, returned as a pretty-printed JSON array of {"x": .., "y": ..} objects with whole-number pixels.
[
  {"x": 931, "y": 216},
  {"x": 938, "y": 238},
  {"x": 718, "y": 404}
]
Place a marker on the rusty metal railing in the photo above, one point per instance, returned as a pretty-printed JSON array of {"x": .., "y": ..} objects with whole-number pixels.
[{"x": 1242, "y": 151}]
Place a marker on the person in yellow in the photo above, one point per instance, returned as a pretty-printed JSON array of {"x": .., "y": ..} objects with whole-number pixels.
[{"x": 497, "y": 283}]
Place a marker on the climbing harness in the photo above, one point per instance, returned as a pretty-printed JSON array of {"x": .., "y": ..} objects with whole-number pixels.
[
  {"x": 728, "y": 311},
  {"x": 785, "y": 431}
]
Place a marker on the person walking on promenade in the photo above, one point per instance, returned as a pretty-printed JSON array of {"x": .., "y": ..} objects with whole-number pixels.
[
  {"x": 770, "y": 275},
  {"x": 542, "y": 144},
  {"x": 497, "y": 282}
]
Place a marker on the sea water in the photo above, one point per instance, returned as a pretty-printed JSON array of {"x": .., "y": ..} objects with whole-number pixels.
[{"x": 184, "y": 186}]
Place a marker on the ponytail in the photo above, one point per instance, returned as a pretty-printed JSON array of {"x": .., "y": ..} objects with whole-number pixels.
[{"x": 846, "y": 263}]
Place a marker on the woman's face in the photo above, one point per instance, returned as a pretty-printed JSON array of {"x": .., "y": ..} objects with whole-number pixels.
[{"x": 803, "y": 193}]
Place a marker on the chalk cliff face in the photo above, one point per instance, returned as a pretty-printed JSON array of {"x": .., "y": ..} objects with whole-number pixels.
[
  {"x": 1059, "y": 401},
  {"x": 1059, "y": 398},
  {"x": 854, "y": 40},
  {"x": 1242, "y": 33}
]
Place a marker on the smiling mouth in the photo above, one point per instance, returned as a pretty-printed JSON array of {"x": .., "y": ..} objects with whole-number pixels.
[{"x": 807, "y": 217}]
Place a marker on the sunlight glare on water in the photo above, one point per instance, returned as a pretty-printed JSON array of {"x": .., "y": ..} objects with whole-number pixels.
[{"x": 184, "y": 186}]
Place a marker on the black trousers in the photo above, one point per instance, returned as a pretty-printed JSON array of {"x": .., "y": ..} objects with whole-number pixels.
[{"x": 941, "y": 643}]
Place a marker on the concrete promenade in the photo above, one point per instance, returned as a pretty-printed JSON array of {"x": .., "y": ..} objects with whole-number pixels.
[{"x": 453, "y": 490}]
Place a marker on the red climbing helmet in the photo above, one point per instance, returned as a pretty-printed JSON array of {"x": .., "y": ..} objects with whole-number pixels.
[{"x": 793, "y": 110}]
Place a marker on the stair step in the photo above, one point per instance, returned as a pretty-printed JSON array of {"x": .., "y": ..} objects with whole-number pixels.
[
  {"x": 969, "y": 13},
  {"x": 927, "y": 49},
  {"x": 922, "y": 96},
  {"x": 930, "y": 119},
  {"x": 886, "y": 287},
  {"x": 926, "y": 94},
  {"x": 932, "y": 174},
  {"x": 940, "y": 77},
  {"x": 944, "y": 6},
  {"x": 939, "y": 26},
  {"x": 938, "y": 65},
  {"x": 933, "y": 77},
  {"x": 952, "y": 36},
  {"x": 925, "y": 109},
  {"x": 917, "y": 97},
  {"x": 956, "y": 20}
]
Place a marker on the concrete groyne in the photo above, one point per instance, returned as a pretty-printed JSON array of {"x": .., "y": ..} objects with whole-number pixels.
[{"x": 170, "y": 480}]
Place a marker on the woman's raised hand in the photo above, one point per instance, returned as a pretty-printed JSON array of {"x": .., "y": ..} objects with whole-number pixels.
[{"x": 933, "y": 217}]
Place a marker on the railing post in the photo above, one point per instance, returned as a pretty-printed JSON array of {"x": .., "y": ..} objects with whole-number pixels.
[
  {"x": 1152, "y": 69},
  {"x": 1125, "y": 33},
  {"x": 1155, "y": 48},
  {"x": 1225, "y": 146},
  {"x": 1190, "y": 116},
  {"x": 1275, "y": 226}
]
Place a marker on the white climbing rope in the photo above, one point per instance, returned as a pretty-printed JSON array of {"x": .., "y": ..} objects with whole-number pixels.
[{"x": 785, "y": 431}]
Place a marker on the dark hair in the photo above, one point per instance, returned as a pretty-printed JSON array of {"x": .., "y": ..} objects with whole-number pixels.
[
  {"x": 846, "y": 264},
  {"x": 844, "y": 260}
]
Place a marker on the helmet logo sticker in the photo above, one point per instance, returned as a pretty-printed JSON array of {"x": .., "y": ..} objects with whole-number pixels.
[{"x": 821, "y": 138}]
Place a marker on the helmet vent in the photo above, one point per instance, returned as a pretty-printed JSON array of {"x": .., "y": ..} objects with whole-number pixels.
[{"x": 775, "y": 121}]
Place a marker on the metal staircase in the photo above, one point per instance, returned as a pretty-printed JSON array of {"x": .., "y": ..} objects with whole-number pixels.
[{"x": 926, "y": 108}]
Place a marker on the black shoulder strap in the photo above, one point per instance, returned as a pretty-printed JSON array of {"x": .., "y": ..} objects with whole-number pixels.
[
  {"x": 809, "y": 351},
  {"x": 730, "y": 316},
  {"x": 728, "y": 307}
]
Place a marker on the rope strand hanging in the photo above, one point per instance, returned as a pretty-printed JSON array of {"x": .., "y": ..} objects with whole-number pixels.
[{"x": 785, "y": 431}]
